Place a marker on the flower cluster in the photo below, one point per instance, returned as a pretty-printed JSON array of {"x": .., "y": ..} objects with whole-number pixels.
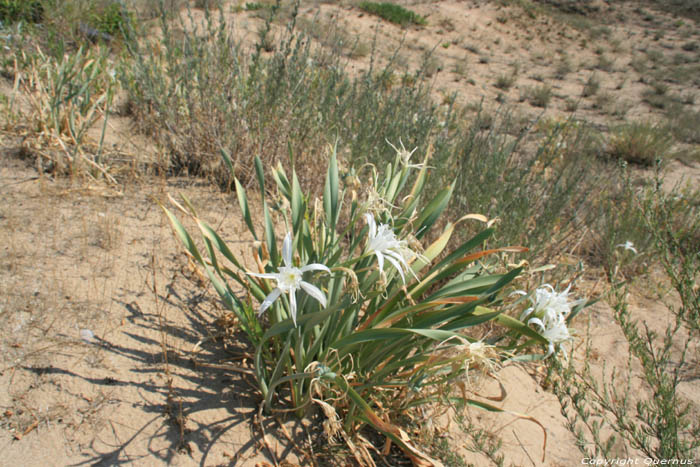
[
  {"x": 384, "y": 245},
  {"x": 549, "y": 312},
  {"x": 382, "y": 242}
]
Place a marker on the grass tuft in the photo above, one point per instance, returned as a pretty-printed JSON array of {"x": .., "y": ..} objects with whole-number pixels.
[
  {"x": 639, "y": 143},
  {"x": 393, "y": 13}
]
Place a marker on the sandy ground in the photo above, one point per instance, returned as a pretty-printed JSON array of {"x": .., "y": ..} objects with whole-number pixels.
[{"x": 102, "y": 311}]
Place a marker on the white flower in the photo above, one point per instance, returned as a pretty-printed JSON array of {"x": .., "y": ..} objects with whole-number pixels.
[
  {"x": 405, "y": 155},
  {"x": 548, "y": 312},
  {"x": 628, "y": 246},
  {"x": 384, "y": 244},
  {"x": 289, "y": 280}
]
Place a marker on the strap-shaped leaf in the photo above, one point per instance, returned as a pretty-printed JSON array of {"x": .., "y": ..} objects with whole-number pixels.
[
  {"x": 245, "y": 209},
  {"x": 433, "y": 210},
  {"x": 371, "y": 335},
  {"x": 270, "y": 235},
  {"x": 330, "y": 192},
  {"x": 260, "y": 173},
  {"x": 209, "y": 233},
  {"x": 282, "y": 182},
  {"x": 297, "y": 203},
  {"x": 227, "y": 160},
  {"x": 521, "y": 328}
]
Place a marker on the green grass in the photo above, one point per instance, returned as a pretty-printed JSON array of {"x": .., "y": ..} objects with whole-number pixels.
[
  {"x": 12, "y": 11},
  {"x": 393, "y": 13}
]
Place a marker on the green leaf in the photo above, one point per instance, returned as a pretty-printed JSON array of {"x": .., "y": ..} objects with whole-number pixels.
[
  {"x": 270, "y": 235},
  {"x": 431, "y": 212},
  {"x": 227, "y": 160},
  {"x": 479, "y": 315},
  {"x": 209, "y": 233},
  {"x": 243, "y": 202},
  {"x": 310, "y": 319},
  {"x": 260, "y": 173},
  {"x": 282, "y": 182},
  {"x": 330, "y": 192},
  {"x": 297, "y": 204},
  {"x": 371, "y": 335},
  {"x": 520, "y": 327},
  {"x": 184, "y": 235}
]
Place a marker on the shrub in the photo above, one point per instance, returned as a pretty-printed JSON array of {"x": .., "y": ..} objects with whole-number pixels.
[
  {"x": 639, "y": 143},
  {"x": 393, "y": 13}
]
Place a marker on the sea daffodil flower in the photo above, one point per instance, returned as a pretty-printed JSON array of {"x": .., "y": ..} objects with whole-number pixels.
[
  {"x": 384, "y": 244},
  {"x": 628, "y": 246},
  {"x": 549, "y": 312},
  {"x": 289, "y": 280}
]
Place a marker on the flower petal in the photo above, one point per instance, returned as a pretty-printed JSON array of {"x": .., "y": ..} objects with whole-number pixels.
[
  {"x": 287, "y": 250},
  {"x": 372, "y": 225},
  {"x": 398, "y": 257},
  {"x": 550, "y": 349},
  {"x": 269, "y": 300},
  {"x": 315, "y": 267},
  {"x": 380, "y": 260},
  {"x": 315, "y": 292},
  {"x": 293, "y": 305},
  {"x": 267, "y": 275},
  {"x": 526, "y": 313},
  {"x": 537, "y": 322},
  {"x": 397, "y": 266}
]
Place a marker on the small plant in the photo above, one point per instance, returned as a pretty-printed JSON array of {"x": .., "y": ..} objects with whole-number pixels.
[
  {"x": 460, "y": 69},
  {"x": 113, "y": 20},
  {"x": 639, "y": 143},
  {"x": 691, "y": 46},
  {"x": 539, "y": 96},
  {"x": 354, "y": 314},
  {"x": 12, "y": 11},
  {"x": 505, "y": 81},
  {"x": 564, "y": 67},
  {"x": 571, "y": 105},
  {"x": 609, "y": 417},
  {"x": 255, "y": 6},
  {"x": 591, "y": 87},
  {"x": 393, "y": 13},
  {"x": 604, "y": 63},
  {"x": 68, "y": 96},
  {"x": 685, "y": 125}
]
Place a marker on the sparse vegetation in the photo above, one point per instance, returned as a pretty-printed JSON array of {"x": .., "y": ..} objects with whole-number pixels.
[
  {"x": 393, "y": 13},
  {"x": 505, "y": 81},
  {"x": 539, "y": 96},
  {"x": 12, "y": 11},
  {"x": 591, "y": 87},
  {"x": 561, "y": 181},
  {"x": 639, "y": 143}
]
